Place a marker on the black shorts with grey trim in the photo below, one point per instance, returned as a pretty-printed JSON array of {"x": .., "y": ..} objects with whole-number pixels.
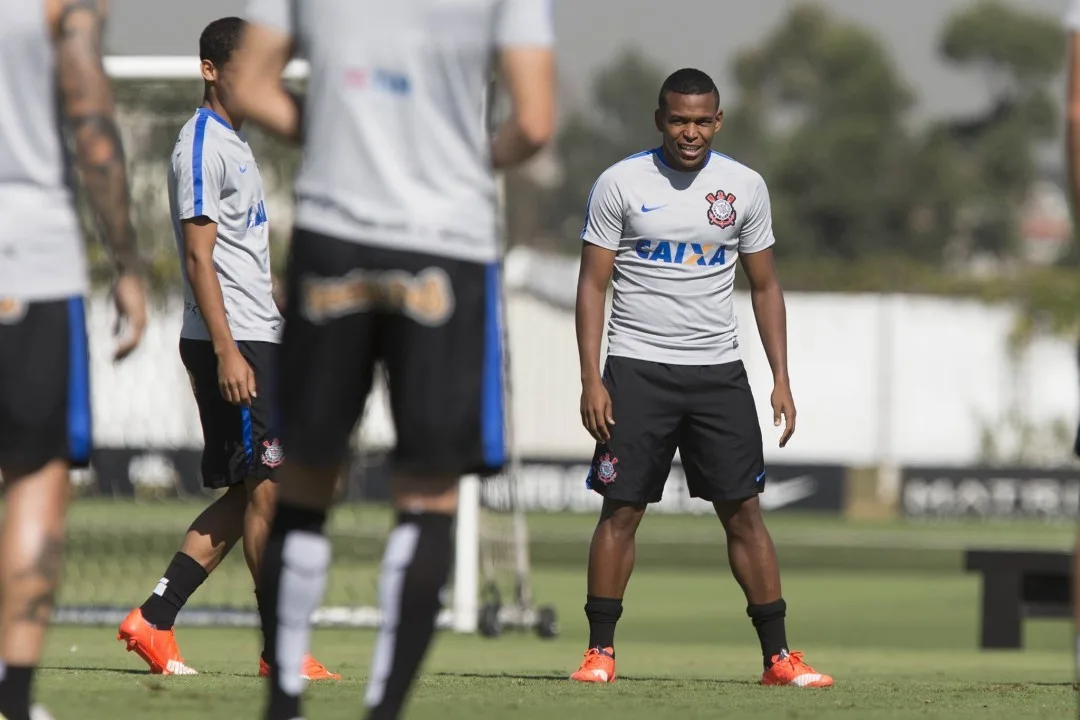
[{"x": 705, "y": 411}]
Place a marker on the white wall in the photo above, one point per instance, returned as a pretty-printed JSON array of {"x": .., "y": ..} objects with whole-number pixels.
[{"x": 905, "y": 379}]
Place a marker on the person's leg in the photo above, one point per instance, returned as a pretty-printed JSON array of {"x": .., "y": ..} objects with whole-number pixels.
[
  {"x": 722, "y": 453},
  {"x": 326, "y": 360},
  {"x": 443, "y": 352},
  {"x": 629, "y": 471},
  {"x": 753, "y": 562},
  {"x": 416, "y": 565},
  {"x": 45, "y": 429},
  {"x": 208, "y": 540},
  {"x": 611, "y": 561},
  {"x": 31, "y": 560},
  {"x": 148, "y": 631},
  {"x": 295, "y": 564}
]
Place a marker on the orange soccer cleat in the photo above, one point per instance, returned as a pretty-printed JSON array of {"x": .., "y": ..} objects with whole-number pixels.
[
  {"x": 597, "y": 667},
  {"x": 311, "y": 669},
  {"x": 157, "y": 647},
  {"x": 789, "y": 669}
]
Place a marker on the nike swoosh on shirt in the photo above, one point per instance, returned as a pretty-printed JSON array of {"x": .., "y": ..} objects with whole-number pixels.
[
  {"x": 645, "y": 209},
  {"x": 243, "y": 168}
]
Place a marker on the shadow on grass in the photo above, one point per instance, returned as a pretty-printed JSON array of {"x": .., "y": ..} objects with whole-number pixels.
[
  {"x": 84, "y": 668},
  {"x": 563, "y": 678}
]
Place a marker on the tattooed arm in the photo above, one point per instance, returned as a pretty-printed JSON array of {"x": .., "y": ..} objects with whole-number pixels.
[{"x": 87, "y": 104}]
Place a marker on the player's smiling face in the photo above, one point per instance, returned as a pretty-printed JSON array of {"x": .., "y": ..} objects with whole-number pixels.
[{"x": 688, "y": 125}]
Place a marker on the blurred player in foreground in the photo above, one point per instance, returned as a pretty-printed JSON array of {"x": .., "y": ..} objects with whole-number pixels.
[
  {"x": 1072, "y": 161},
  {"x": 51, "y": 79},
  {"x": 228, "y": 343},
  {"x": 670, "y": 224},
  {"x": 394, "y": 258}
]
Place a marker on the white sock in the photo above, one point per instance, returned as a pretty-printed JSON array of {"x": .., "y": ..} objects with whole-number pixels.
[{"x": 305, "y": 558}]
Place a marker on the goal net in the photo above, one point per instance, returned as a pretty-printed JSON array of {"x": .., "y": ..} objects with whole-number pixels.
[{"x": 133, "y": 506}]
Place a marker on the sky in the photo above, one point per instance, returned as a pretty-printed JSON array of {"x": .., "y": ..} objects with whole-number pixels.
[{"x": 701, "y": 33}]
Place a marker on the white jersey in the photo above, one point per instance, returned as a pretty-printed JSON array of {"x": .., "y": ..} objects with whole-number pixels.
[
  {"x": 213, "y": 174},
  {"x": 1072, "y": 16},
  {"x": 396, "y": 150},
  {"x": 677, "y": 236},
  {"x": 41, "y": 247}
]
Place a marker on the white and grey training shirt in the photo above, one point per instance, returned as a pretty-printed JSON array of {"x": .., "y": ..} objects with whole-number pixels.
[
  {"x": 677, "y": 236},
  {"x": 42, "y": 256},
  {"x": 396, "y": 152},
  {"x": 213, "y": 174}
]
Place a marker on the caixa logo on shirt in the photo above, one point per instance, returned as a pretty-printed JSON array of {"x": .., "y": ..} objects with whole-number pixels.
[
  {"x": 257, "y": 215},
  {"x": 681, "y": 253}
]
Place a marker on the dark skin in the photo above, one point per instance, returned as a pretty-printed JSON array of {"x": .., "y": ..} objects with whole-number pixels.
[{"x": 687, "y": 124}]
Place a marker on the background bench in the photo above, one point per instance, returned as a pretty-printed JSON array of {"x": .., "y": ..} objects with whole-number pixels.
[{"x": 1018, "y": 585}]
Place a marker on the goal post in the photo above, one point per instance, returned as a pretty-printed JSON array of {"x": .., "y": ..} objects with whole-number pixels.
[{"x": 134, "y": 505}]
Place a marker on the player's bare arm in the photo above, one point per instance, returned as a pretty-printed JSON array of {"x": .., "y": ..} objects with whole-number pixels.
[
  {"x": 529, "y": 76},
  {"x": 771, "y": 315},
  {"x": 263, "y": 54},
  {"x": 87, "y": 104},
  {"x": 593, "y": 278},
  {"x": 235, "y": 377}
]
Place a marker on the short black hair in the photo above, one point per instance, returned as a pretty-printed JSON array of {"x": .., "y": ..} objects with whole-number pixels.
[
  {"x": 688, "y": 81},
  {"x": 219, "y": 39}
]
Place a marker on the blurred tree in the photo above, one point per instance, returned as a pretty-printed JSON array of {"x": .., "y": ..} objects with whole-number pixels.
[
  {"x": 821, "y": 115},
  {"x": 1018, "y": 54},
  {"x": 616, "y": 121}
]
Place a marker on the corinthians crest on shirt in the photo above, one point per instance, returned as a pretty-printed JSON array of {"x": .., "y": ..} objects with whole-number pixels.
[{"x": 721, "y": 209}]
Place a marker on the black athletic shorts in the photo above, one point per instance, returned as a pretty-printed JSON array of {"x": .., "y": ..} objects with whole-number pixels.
[
  {"x": 44, "y": 385},
  {"x": 706, "y": 411},
  {"x": 434, "y": 324},
  {"x": 238, "y": 442}
]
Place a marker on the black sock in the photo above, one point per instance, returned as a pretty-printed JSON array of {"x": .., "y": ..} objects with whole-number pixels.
[
  {"x": 293, "y": 579},
  {"x": 768, "y": 620},
  {"x": 415, "y": 568},
  {"x": 602, "y": 613},
  {"x": 182, "y": 578},
  {"x": 15, "y": 692}
]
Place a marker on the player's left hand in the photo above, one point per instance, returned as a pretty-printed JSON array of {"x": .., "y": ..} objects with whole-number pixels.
[{"x": 783, "y": 404}]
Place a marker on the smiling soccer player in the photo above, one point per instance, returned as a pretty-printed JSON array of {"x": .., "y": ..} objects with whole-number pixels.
[{"x": 668, "y": 224}]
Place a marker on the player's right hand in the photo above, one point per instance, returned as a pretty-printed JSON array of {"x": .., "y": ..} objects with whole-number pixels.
[
  {"x": 236, "y": 381},
  {"x": 130, "y": 299},
  {"x": 596, "y": 410}
]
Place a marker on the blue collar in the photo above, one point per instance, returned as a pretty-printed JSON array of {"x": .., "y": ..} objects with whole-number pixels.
[{"x": 207, "y": 111}]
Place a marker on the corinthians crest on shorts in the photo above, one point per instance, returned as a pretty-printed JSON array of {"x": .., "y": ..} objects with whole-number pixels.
[
  {"x": 721, "y": 209},
  {"x": 272, "y": 455}
]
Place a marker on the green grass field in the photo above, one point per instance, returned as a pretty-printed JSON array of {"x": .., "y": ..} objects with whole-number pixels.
[{"x": 885, "y": 608}]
